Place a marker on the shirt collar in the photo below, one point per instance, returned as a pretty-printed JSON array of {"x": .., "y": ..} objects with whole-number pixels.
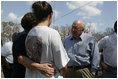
[
  {"x": 82, "y": 35},
  {"x": 72, "y": 38}
]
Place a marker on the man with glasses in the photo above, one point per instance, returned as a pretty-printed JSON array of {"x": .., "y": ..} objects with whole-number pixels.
[{"x": 83, "y": 52}]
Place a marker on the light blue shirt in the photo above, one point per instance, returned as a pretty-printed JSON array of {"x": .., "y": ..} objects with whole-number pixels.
[
  {"x": 82, "y": 51},
  {"x": 109, "y": 46}
]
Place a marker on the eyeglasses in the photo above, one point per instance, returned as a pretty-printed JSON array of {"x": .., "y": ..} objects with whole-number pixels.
[{"x": 76, "y": 28}]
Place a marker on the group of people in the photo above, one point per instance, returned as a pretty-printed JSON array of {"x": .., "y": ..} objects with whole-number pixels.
[{"x": 38, "y": 51}]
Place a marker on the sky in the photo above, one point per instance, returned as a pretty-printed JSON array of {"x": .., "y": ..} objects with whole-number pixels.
[{"x": 99, "y": 14}]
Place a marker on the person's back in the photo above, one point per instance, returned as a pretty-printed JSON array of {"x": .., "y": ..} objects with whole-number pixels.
[
  {"x": 108, "y": 46},
  {"x": 7, "y": 58},
  {"x": 19, "y": 49},
  {"x": 105, "y": 44},
  {"x": 47, "y": 49},
  {"x": 110, "y": 58},
  {"x": 44, "y": 44},
  {"x": 19, "y": 53},
  {"x": 7, "y": 51}
]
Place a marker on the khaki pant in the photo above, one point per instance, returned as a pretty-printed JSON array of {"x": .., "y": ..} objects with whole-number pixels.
[{"x": 80, "y": 73}]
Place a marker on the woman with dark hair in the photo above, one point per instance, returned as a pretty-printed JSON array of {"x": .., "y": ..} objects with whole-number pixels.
[{"x": 43, "y": 44}]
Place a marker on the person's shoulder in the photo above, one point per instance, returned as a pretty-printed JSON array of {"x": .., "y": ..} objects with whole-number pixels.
[
  {"x": 8, "y": 43},
  {"x": 20, "y": 36},
  {"x": 87, "y": 35},
  {"x": 106, "y": 37},
  {"x": 113, "y": 35},
  {"x": 53, "y": 31},
  {"x": 34, "y": 30},
  {"x": 110, "y": 36},
  {"x": 67, "y": 38}
]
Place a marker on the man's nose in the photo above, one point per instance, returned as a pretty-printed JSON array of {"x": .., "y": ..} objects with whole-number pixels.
[{"x": 73, "y": 29}]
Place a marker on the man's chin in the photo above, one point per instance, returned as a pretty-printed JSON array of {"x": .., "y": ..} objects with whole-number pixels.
[{"x": 75, "y": 36}]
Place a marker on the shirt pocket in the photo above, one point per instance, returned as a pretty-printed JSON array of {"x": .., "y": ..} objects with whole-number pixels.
[{"x": 80, "y": 49}]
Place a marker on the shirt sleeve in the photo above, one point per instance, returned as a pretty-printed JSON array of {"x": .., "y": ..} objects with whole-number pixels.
[
  {"x": 95, "y": 56},
  {"x": 101, "y": 44},
  {"x": 60, "y": 56}
]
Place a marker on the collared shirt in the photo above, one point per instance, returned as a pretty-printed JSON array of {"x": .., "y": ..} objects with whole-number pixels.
[
  {"x": 82, "y": 51},
  {"x": 7, "y": 51},
  {"x": 109, "y": 46}
]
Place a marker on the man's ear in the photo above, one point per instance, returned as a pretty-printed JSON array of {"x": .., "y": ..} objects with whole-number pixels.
[{"x": 50, "y": 16}]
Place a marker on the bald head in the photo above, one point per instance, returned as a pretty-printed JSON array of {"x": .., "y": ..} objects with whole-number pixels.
[
  {"x": 77, "y": 28},
  {"x": 79, "y": 23}
]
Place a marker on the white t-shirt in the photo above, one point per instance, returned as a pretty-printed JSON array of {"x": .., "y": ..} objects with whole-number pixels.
[
  {"x": 6, "y": 51},
  {"x": 44, "y": 45},
  {"x": 109, "y": 46}
]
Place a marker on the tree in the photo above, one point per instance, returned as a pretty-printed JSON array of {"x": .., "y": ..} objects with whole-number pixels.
[
  {"x": 108, "y": 31},
  {"x": 100, "y": 35},
  {"x": 63, "y": 30},
  {"x": 8, "y": 28}
]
